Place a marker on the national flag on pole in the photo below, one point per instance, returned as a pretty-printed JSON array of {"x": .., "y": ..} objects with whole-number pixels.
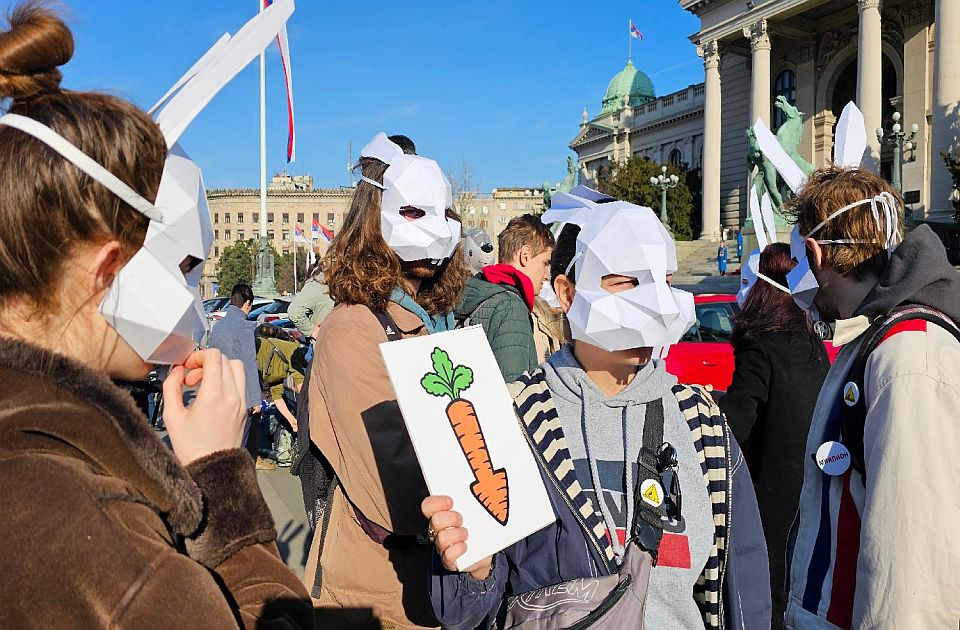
[
  {"x": 634, "y": 31},
  {"x": 315, "y": 230},
  {"x": 284, "y": 46},
  {"x": 298, "y": 235},
  {"x": 326, "y": 234}
]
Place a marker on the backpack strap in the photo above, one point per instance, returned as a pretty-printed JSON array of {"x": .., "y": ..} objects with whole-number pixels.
[
  {"x": 853, "y": 411},
  {"x": 390, "y": 328}
]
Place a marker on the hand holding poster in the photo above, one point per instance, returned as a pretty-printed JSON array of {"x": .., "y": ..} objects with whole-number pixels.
[{"x": 467, "y": 438}]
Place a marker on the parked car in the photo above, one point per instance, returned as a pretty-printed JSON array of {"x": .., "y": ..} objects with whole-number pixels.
[
  {"x": 704, "y": 355},
  {"x": 211, "y": 305},
  {"x": 271, "y": 311},
  {"x": 216, "y": 315}
]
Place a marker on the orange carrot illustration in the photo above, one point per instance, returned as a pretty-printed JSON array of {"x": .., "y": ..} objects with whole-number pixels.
[{"x": 490, "y": 486}]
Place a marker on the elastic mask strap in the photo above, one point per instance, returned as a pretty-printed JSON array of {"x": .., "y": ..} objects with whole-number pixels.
[
  {"x": 774, "y": 283},
  {"x": 837, "y": 214},
  {"x": 83, "y": 162},
  {"x": 573, "y": 260},
  {"x": 884, "y": 201},
  {"x": 372, "y": 183}
]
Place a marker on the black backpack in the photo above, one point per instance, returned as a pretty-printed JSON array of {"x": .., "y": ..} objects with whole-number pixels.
[{"x": 853, "y": 414}]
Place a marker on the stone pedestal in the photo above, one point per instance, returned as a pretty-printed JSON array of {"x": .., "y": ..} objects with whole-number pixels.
[{"x": 265, "y": 284}]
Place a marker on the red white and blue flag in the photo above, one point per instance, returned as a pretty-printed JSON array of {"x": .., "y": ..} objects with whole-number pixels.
[
  {"x": 284, "y": 46},
  {"x": 298, "y": 235},
  {"x": 634, "y": 31},
  {"x": 326, "y": 234}
]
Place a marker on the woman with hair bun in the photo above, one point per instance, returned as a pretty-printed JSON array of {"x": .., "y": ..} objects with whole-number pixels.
[
  {"x": 779, "y": 367},
  {"x": 104, "y": 526}
]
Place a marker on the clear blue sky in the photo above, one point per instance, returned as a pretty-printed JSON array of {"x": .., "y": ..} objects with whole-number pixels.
[{"x": 498, "y": 83}]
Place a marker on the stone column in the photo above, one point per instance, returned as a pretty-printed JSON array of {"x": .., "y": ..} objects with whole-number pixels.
[
  {"x": 710, "y": 51},
  {"x": 760, "y": 64},
  {"x": 915, "y": 17},
  {"x": 807, "y": 96},
  {"x": 869, "y": 75},
  {"x": 946, "y": 100}
]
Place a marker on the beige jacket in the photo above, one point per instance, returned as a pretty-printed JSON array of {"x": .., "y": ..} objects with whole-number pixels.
[
  {"x": 884, "y": 553},
  {"x": 356, "y": 423}
]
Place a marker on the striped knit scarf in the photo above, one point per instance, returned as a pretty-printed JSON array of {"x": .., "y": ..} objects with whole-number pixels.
[{"x": 538, "y": 415}]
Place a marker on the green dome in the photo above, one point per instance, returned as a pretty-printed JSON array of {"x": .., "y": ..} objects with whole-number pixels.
[{"x": 628, "y": 82}]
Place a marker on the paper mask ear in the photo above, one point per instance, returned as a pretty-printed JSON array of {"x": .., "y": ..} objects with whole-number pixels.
[
  {"x": 568, "y": 208},
  {"x": 588, "y": 193},
  {"x": 220, "y": 68},
  {"x": 192, "y": 72},
  {"x": 851, "y": 138},
  {"x": 772, "y": 150},
  {"x": 757, "y": 216},
  {"x": 769, "y": 220},
  {"x": 381, "y": 148}
]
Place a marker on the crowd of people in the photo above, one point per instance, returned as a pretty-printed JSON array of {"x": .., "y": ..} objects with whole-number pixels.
[{"x": 808, "y": 495}]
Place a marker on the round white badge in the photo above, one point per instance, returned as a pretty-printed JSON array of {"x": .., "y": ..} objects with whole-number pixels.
[
  {"x": 652, "y": 492},
  {"x": 833, "y": 458}
]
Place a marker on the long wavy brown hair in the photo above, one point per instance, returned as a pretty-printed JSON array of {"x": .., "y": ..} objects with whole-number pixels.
[{"x": 360, "y": 268}]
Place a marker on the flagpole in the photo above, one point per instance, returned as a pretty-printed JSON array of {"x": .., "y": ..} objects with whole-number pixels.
[
  {"x": 263, "y": 138},
  {"x": 294, "y": 265},
  {"x": 629, "y": 41}
]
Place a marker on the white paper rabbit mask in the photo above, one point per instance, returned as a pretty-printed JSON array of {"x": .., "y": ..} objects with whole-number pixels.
[
  {"x": 620, "y": 238},
  {"x": 154, "y": 302},
  {"x": 413, "y": 181}
]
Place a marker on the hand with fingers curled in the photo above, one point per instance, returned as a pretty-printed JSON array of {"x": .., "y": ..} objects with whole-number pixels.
[
  {"x": 450, "y": 536},
  {"x": 216, "y": 418}
]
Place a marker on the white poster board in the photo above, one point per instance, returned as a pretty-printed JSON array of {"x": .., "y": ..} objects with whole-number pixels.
[{"x": 467, "y": 437}]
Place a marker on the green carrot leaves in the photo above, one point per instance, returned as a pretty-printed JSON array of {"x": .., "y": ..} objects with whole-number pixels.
[{"x": 446, "y": 380}]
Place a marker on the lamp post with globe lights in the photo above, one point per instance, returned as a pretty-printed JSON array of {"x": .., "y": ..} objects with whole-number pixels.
[
  {"x": 664, "y": 183},
  {"x": 900, "y": 141}
]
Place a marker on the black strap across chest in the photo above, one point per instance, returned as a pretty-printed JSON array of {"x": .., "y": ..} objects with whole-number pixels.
[{"x": 853, "y": 414}]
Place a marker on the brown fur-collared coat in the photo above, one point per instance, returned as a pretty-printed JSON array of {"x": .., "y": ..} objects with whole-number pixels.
[{"x": 102, "y": 528}]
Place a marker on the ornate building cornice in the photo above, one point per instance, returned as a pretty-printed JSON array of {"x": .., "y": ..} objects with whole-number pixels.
[
  {"x": 318, "y": 193},
  {"x": 916, "y": 12},
  {"x": 832, "y": 42}
]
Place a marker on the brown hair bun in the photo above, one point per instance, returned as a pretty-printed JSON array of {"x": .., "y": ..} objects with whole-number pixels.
[{"x": 36, "y": 43}]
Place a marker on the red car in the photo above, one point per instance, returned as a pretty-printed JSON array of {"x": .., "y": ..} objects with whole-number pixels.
[{"x": 704, "y": 355}]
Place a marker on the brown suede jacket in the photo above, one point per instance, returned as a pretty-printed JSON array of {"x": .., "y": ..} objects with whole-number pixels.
[{"x": 102, "y": 528}]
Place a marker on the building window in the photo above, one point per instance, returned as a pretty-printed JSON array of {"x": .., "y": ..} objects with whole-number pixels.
[
  {"x": 299, "y": 217},
  {"x": 216, "y": 235},
  {"x": 269, "y": 217},
  {"x": 240, "y": 236},
  {"x": 285, "y": 235},
  {"x": 785, "y": 86},
  {"x": 256, "y": 217},
  {"x": 239, "y": 217},
  {"x": 285, "y": 217},
  {"x": 269, "y": 235},
  {"x": 216, "y": 217},
  {"x": 316, "y": 217},
  {"x": 226, "y": 217},
  {"x": 226, "y": 235},
  {"x": 216, "y": 251},
  {"x": 503, "y": 206},
  {"x": 676, "y": 157},
  {"x": 331, "y": 218}
]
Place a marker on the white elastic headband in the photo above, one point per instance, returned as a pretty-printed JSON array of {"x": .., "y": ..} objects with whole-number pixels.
[
  {"x": 373, "y": 183},
  {"x": 884, "y": 201},
  {"x": 773, "y": 282},
  {"x": 83, "y": 162}
]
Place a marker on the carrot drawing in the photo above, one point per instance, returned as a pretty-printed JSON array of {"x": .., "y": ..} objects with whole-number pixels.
[{"x": 489, "y": 486}]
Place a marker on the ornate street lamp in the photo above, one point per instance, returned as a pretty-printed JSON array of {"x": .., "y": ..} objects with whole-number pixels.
[
  {"x": 900, "y": 141},
  {"x": 664, "y": 183}
]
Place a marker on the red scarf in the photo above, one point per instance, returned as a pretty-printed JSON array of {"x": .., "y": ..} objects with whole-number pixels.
[{"x": 510, "y": 275}]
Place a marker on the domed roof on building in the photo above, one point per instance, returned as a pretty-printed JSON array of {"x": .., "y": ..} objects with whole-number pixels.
[{"x": 628, "y": 82}]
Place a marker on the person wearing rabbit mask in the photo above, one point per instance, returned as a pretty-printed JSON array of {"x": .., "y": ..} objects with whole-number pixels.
[
  {"x": 100, "y": 243},
  {"x": 874, "y": 541},
  {"x": 395, "y": 270},
  {"x": 598, "y": 413}
]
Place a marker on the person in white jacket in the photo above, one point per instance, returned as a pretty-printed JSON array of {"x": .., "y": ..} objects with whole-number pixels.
[{"x": 874, "y": 542}]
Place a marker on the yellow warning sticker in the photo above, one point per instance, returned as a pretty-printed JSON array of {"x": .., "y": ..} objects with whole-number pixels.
[
  {"x": 651, "y": 492},
  {"x": 851, "y": 394}
]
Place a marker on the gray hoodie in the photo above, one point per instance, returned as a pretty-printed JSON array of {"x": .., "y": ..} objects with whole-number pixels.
[{"x": 603, "y": 432}]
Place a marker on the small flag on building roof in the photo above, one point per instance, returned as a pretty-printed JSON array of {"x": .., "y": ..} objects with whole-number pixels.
[{"x": 634, "y": 31}]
